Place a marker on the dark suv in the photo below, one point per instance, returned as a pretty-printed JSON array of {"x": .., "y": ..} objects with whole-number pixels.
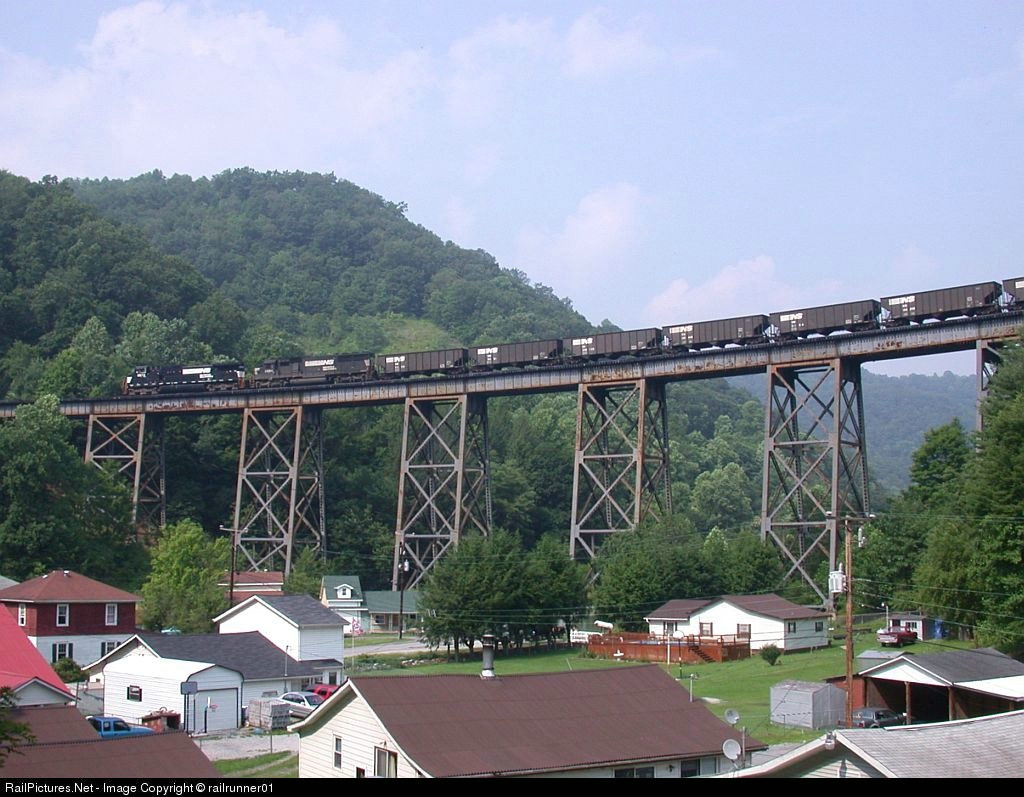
[{"x": 872, "y": 717}]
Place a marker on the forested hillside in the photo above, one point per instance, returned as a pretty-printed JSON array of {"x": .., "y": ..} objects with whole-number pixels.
[{"x": 97, "y": 276}]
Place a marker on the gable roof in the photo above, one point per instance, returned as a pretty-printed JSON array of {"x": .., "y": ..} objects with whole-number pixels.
[
  {"x": 386, "y": 601},
  {"x": 464, "y": 725},
  {"x": 66, "y": 586},
  {"x": 983, "y": 747},
  {"x": 299, "y": 610},
  {"x": 678, "y": 609},
  {"x": 955, "y": 666},
  {"x": 329, "y": 586},
  {"x": 21, "y": 664},
  {"x": 771, "y": 605},
  {"x": 66, "y": 746},
  {"x": 249, "y": 654}
]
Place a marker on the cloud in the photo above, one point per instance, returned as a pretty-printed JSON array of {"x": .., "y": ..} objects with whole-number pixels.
[
  {"x": 591, "y": 241},
  {"x": 191, "y": 83},
  {"x": 743, "y": 288},
  {"x": 593, "y": 48}
]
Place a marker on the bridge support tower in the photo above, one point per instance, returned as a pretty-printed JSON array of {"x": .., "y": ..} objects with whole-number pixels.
[
  {"x": 133, "y": 445},
  {"x": 814, "y": 463},
  {"x": 279, "y": 497},
  {"x": 444, "y": 485},
  {"x": 620, "y": 474}
]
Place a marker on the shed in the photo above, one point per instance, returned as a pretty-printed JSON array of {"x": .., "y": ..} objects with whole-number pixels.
[{"x": 806, "y": 704}]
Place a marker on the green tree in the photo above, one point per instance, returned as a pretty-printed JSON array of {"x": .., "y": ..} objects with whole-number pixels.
[
  {"x": 308, "y": 570},
  {"x": 182, "y": 589},
  {"x": 12, "y": 732}
]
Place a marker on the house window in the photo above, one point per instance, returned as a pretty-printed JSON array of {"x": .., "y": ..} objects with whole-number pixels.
[
  {"x": 635, "y": 772},
  {"x": 385, "y": 763},
  {"x": 63, "y": 614},
  {"x": 670, "y": 628},
  {"x": 689, "y": 769},
  {"x": 107, "y": 647},
  {"x": 337, "y": 752},
  {"x": 706, "y": 629},
  {"x": 22, "y": 614},
  {"x": 743, "y": 630},
  {"x": 61, "y": 650},
  {"x": 791, "y": 627},
  {"x": 111, "y": 618},
  {"x": 360, "y": 772},
  {"x": 134, "y": 693},
  {"x": 819, "y": 626}
]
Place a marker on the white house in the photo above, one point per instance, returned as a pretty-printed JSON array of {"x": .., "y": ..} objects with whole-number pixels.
[
  {"x": 297, "y": 624},
  {"x": 145, "y": 675},
  {"x": 766, "y": 619},
  {"x": 619, "y": 722}
]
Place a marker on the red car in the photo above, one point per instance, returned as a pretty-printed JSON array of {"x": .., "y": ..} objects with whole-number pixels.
[{"x": 897, "y": 636}]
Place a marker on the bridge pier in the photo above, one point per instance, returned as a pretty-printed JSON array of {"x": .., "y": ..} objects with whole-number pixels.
[
  {"x": 444, "y": 487},
  {"x": 134, "y": 446},
  {"x": 987, "y": 359},
  {"x": 815, "y": 463},
  {"x": 279, "y": 497},
  {"x": 620, "y": 475}
]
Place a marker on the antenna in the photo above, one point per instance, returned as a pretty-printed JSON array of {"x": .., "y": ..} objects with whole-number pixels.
[{"x": 731, "y": 749}]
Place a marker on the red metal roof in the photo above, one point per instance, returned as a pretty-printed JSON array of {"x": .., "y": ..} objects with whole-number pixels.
[
  {"x": 461, "y": 725},
  {"x": 65, "y": 586},
  {"x": 20, "y": 662}
]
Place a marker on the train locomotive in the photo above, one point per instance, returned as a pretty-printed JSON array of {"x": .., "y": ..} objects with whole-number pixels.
[{"x": 779, "y": 327}]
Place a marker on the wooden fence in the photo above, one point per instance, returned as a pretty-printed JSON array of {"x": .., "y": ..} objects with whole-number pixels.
[{"x": 681, "y": 650}]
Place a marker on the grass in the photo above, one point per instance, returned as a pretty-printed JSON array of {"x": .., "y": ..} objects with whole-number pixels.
[{"x": 268, "y": 765}]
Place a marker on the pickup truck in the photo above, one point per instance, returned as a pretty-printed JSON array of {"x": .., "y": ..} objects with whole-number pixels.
[
  {"x": 897, "y": 636},
  {"x": 116, "y": 728}
]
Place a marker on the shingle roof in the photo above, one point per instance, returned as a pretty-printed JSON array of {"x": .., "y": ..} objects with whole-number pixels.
[
  {"x": 249, "y": 654},
  {"x": 957, "y": 666},
  {"x": 386, "y": 601},
  {"x": 678, "y": 609},
  {"x": 68, "y": 747},
  {"x": 772, "y": 605},
  {"x": 20, "y": 662},
  {"x": 304, "y": 610},
  {"x": 331, "y": 584},
  {"x": 66, "y": 586},
  {"x": 461, "y": 725}
]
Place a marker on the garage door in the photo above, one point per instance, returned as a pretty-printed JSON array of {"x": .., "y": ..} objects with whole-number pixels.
[{"x": 216, "y": 710}]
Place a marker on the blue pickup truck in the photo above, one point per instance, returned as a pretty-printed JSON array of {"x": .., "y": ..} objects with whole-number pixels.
[{"x": 117, "y": 728}]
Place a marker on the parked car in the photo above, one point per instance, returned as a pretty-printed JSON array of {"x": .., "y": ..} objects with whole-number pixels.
[
  {"x": 301, "y": 703},
  {"x": 117, "y": 728},
  {"x": 876, "y": 717},
  {"x": 896, "y": 636},
  {"x": 325, "y": 690}
]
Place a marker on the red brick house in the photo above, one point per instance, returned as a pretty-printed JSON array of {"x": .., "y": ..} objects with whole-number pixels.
[{"x": 67, "y": 615}]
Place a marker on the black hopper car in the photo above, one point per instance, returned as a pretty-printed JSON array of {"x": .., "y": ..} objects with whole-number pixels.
[{"x": 780, "y": 327}]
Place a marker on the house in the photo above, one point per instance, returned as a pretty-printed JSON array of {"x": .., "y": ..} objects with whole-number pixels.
[
  {"x": 983, "y": 747},
  {"x": 226, "y": 671},
  {"x": 297, "y": 624},
  {"x": 24, "y": 670},
  {"x": 382, "y": 607},
  {"x": 766, "y": 619},
  {"x": 953, "y": 684},
  {"x": 247, "y": 584},
  {"x": 70, "y": 616},
  {"x": 67, "y": 746},
  {"x": 629, "y": 721},
  {"x": 343, "y": 595}
]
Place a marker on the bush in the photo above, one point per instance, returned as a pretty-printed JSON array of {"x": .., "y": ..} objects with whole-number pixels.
[
  {"x": 770, "y": 653},
  {"x": 68, "y": 671}
]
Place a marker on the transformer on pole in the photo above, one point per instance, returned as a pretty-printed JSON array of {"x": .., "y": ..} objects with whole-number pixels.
[
  {"x": 444, "y": 484},
  {"x": 620, "y": 475}
]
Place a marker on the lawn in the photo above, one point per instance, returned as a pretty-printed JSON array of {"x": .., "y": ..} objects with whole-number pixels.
[{"x": 268, "y": 765}]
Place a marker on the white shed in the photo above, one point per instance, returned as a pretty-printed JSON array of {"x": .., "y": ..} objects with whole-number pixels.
[{"x": 806, "y": 704}]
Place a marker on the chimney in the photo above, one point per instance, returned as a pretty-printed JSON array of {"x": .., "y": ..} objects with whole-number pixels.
[{"x": 488, "y": 655}]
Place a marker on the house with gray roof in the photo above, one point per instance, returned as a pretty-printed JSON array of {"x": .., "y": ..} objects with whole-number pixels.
[
  {"x": 982, "y": 747},
  {"x": 628, "y": 721},
  {"x": 297, "y": 624},
  {"x": 369, "y": 611},
  {"x": 228, "y": 670}
]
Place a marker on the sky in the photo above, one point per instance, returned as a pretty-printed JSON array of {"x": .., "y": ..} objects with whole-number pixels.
[{"x": 654, "y": 162}]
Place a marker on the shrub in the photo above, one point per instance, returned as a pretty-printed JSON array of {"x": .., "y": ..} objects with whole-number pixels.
[
  {"x": 770, "y": 653},
  {"x": 68, "y": 671}
]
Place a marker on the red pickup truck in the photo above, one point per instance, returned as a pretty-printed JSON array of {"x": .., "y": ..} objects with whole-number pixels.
[{"x": 897, "y": 636}]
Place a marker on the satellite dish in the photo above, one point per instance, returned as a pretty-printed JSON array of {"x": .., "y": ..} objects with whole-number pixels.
[
  {"x": 731, "y": 749},
  {"x": 732, "y": 716}
]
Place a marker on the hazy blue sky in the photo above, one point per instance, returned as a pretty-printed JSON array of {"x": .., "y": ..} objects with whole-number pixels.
[{"x": 656, "y": 162}]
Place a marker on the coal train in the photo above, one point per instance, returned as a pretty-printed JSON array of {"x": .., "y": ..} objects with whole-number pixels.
[{"x": 889, "y": 311}]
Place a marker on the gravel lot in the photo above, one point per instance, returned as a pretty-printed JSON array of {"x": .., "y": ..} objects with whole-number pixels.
[{"x": 245, "y": 744}]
